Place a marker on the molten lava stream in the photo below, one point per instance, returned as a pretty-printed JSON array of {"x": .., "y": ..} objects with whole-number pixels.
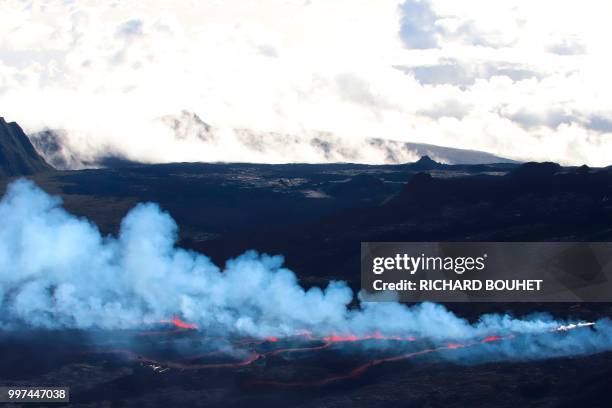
[
  {"x": 356, "y": 372},
  {"x": 178, "y": 326},
  {"x": 327, "y": 342},
  {"x": 254, "y": 356},
  {"x": 359, "y": 370},
  {"x": 297, "y": 349},
  {"x": 263, "y": 353},
  {"x": 177, "y": 323}
]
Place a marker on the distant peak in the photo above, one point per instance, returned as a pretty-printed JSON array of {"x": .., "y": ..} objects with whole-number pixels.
[
  {"x": 584, "y": 169},
  {"x": 426, "y": 163},
  {"x": 426, "y": 159}
]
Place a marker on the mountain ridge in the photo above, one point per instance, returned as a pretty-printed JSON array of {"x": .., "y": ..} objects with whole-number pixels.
[{"x": 18, "y": 157}]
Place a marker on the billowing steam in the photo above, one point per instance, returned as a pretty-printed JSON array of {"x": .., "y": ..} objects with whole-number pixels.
[{"x": 58, "y": 271}]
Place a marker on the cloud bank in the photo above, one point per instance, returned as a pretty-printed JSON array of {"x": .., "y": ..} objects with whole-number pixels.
[{"x": 523, "y": 80}]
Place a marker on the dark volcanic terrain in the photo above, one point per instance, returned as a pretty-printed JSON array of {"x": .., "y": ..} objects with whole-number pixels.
[
  {"x": 316, "y": 216},
  {"x": 115, "y": 369}
]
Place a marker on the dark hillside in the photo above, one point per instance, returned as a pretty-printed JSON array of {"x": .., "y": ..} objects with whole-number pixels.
[{"x": 17, "y": 155}]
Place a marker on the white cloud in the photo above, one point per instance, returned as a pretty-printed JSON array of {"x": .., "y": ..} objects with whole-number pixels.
[{"x": 521, "y": 79}]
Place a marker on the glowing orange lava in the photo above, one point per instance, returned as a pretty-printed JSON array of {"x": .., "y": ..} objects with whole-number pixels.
[
  {"x": 355, "y": 372},
  {"x": 181, "y": 324},
  {"x": 453, "y": 346},
  {"x": 352, "y": 338},
  {"x": 254, "y": 349},
  {"x": 176, "y": 322}
]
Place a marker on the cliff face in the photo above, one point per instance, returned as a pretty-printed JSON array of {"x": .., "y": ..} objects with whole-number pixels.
[{"x": 17, "y": 155}]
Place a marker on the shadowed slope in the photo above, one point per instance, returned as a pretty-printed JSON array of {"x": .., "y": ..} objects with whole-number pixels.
[{"x": 17, "y": 155}]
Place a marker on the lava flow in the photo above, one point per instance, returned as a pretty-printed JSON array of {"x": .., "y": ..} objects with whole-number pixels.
[
  {"x": 178, "y": 323},
  {"x": 376, "y": 336},
  {"x": 253, "y": 350}
]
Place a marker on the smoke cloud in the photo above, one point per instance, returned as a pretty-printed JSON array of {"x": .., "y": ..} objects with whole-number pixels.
[{"x": 58, "y": 271}]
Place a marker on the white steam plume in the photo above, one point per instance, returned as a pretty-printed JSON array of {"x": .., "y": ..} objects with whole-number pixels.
[{"x": 58, "y": 271}]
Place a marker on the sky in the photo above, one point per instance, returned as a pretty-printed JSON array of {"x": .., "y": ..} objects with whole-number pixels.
[{"x": 521, "y": 79}]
